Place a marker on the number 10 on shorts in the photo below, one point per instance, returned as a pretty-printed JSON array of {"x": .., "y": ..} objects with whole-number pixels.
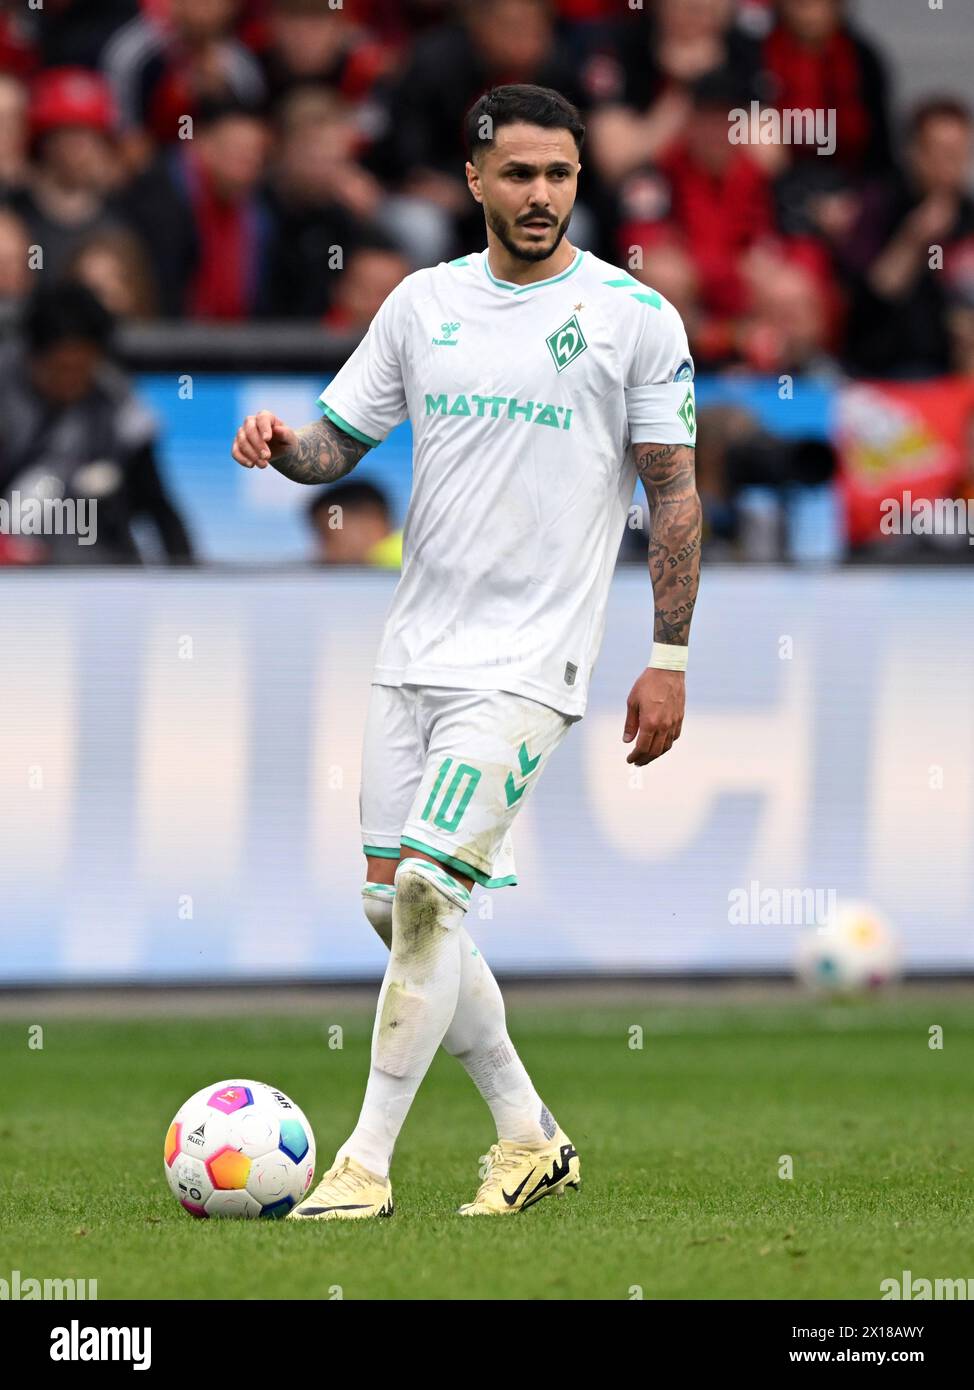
[{"x": 456, "y": 797}]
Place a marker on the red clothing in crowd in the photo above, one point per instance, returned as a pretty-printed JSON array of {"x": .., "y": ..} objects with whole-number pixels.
[
  {"x": 229, "y": 243},
  {"x": 829, "y": 78},
  {"x": 719, "y": 218},
  {"x": 170, "y": 101},
  {"x": 587, "y": 9},
  {"x": 18, "y": 56}
]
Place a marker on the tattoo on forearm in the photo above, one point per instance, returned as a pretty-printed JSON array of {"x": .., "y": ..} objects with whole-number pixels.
[
  {"x": 323, "y": 454},
  {"x": 674, "y": 536}
]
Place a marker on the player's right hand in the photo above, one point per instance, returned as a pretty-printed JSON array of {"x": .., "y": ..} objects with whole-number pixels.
[{"x": 260, "y": 438}]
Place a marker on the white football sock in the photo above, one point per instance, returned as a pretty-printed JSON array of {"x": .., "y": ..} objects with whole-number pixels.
[
  {"x": 478, "y": 1036},
  {"x": 417, "y": 1000}
]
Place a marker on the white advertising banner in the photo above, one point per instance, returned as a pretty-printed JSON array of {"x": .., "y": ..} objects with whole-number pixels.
[{"x": 179, "y": 778}]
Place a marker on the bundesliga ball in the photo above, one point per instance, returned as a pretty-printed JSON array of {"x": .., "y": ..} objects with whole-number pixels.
[
  {"x": 854, "y": 951},
  {"x": 239, "y": 1148}
]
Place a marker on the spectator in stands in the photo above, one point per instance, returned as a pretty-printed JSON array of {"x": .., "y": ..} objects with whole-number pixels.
[
  {"x": 659, "y": 60},
  {"x": 201, "y": 212},
  {"x": 713, "y": 199},
  {"x": 814, "y": 59},
  {"x": 911, "y": 256},
  {"x": 115, "y": 267},
  {"x": 15, "y": 273},
  {"x": 323, "y": 203},
  {"x": 422, "y": 151},
  {"x": 222, "y": 183},
  {"x": 309, "y": 42},
  {"x": 73, "y": 428},
  {"x": 352, "y": 526},
  {"x": 704, "y": 223},
  {"x": 372, "y": 272},
  {"x": 163, "y": 69},
  {"x": 791, "y": 321},
  {"x": 66, "y": 196}
]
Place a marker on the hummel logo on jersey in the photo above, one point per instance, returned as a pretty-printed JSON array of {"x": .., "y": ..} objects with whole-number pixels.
[
  {"x": 448, "y": 340},
  {"x": 566, "y": 343}
]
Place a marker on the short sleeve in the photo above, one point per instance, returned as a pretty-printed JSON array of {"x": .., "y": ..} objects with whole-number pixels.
[
  {"x": 367, "y": 397},
  {"x": 660, "y": 402}
]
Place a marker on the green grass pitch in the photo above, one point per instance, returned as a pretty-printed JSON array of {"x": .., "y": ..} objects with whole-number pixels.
[{"x": 680, "y": 1141}]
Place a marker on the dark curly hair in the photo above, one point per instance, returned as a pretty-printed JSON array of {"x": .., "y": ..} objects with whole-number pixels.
[{"x": 519, "y": 102}]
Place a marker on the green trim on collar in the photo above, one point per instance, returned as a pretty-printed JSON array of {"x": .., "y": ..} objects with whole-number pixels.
[{"x": 538, "y": 284}]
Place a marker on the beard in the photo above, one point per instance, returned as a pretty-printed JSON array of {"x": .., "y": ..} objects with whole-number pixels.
[{"x": 503, "y": 231}]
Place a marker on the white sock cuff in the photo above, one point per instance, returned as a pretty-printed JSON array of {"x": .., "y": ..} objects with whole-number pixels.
[
  {"x": 377, "y": 901},
  {"x": 378, "y": 890},
  {"x": 439, "y": 878}
]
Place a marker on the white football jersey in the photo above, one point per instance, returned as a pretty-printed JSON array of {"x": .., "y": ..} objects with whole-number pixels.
[{"x": 524, "y": 401}]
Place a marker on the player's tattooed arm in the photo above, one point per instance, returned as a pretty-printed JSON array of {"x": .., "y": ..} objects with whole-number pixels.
[
  {"x": 322, "y": 454},
  {"x": 316, "y": 453},
  {"x": 674, "y": 536},
  {"x": 654, "y": 710}
]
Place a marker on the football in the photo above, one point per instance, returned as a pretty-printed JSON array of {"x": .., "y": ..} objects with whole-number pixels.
[
  {"x": 239, "y": 1148},
  {"x": 855, "y": 950}
]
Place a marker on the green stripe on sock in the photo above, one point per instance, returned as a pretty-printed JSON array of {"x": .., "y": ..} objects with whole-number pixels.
[
  {"x": 444, "y": 880},
  {"x": 379, "y": 890}
]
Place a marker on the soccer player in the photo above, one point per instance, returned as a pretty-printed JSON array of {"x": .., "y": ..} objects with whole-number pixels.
[{"x": 539, "y": 381}]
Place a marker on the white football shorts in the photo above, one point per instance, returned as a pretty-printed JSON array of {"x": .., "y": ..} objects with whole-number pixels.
[{"x": 446, "y": 771}]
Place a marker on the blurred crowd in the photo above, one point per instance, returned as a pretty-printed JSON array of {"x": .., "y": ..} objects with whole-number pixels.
[{"x": 221, "y": 160}]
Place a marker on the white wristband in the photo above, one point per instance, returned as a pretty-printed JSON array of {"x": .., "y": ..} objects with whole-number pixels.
[{"x": 668, "y": 658}]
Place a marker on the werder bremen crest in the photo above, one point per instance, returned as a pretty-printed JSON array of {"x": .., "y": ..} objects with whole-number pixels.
[
  {"x": 566, "y": 343},
  {"x": 687, "y": 413}
]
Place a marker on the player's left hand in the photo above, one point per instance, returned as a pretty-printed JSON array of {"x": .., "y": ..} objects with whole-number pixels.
[{"x": 654, "y": 712}]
